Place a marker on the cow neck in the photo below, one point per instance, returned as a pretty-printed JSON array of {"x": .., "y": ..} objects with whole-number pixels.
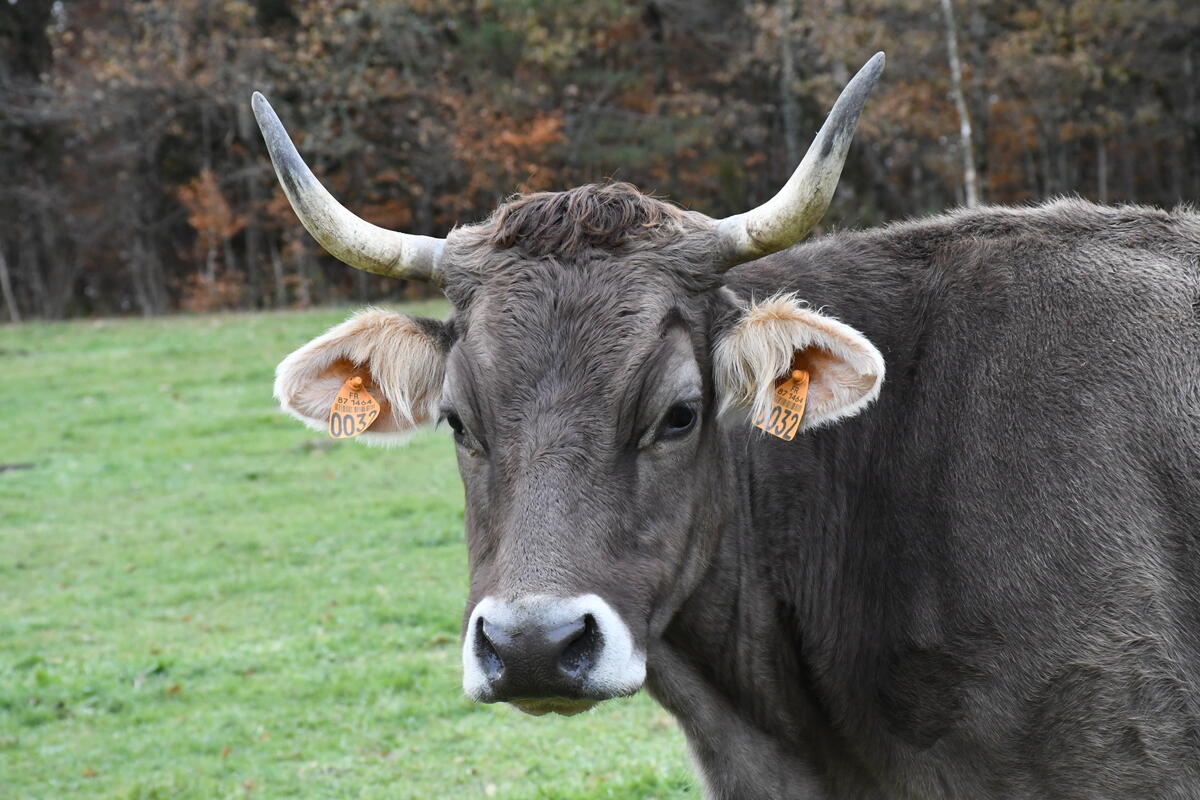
[{"x": 744, "y": 664}]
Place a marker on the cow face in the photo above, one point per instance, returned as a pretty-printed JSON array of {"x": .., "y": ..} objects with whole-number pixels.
[
  {"x": 592, "y": 373},
  {"x": 583, "y": 384},
  {"x": 582, "y": 408}
]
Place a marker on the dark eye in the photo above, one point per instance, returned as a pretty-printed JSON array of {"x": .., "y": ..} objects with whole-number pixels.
[
  {"x": 679, "y": 420},
  {"x": 454, "y": 422},
  {"x": 462, "y": 436}
]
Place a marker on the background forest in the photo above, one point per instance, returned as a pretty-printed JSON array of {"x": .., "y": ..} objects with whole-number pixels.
[{"x": 133, "y": 178}]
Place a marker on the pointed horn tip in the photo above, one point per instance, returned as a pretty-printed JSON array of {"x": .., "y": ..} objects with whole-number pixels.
[
  {"x": 874, "y": 67},
  {"x": 800, "y": 204},
  {"x": 853, "y": 98},
  {"x": 870, "y": 71},
  {"x": 262, "y": 109}
]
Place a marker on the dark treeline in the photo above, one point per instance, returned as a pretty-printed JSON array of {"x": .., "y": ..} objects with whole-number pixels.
[{"x": 133, "y": 179}]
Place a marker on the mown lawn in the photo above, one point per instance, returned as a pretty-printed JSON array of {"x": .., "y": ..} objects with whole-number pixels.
[{"x": 200, "y": 598}]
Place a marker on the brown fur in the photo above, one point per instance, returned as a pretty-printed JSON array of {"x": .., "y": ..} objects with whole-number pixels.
[
  {"x": 568, "y": 224},
  {"x": 628, "y": 237}
]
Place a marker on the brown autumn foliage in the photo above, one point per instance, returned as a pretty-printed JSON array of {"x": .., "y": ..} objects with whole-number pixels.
[{"x": 133, "y": 178}]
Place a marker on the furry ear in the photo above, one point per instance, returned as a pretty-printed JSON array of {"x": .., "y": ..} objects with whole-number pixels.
[
  {"x": 401, "y": 360},
  {"x": 780, "y": 334}
]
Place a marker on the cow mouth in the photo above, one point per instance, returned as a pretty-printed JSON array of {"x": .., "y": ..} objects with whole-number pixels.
[{"x": 564, "y": 706}]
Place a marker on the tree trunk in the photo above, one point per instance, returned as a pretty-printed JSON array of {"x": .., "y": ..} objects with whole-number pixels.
[
  {"x": 970, "y": 181},
  {"x": 1177, "y": 169},
  {"x": 1062, "y": 161},
  {"x": 304, "y": 258},
  {"x": 30, "y": 266},
  {"x": 1047, "y": 186},
  {"x": 1191, "y": 125},
  {"x": 789, "y": 12},
  {"x": 10, "y": 302},
  {"x": 228, "y": 257},
  {"x": 1031, "y": 172},
  {"x": 210, "y": 257},
  {"x": 1128, "y": 169},
  {"x": 137, "y": 273},
  {"x": 253, "y": 243},
  {"x": 156, "y": 279},
  {"x": 278, "y": 274},
  {"x": 62, "y": 268},
  {"x": 254, "y": 277}
]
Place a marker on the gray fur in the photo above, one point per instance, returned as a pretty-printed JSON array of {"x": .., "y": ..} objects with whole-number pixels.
[{"x": 987, "y": 585}]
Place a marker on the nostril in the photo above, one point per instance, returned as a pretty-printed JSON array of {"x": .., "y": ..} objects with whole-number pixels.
[
  {"x": 486, "y": 638},
  {"x": 580, "y": 653}
]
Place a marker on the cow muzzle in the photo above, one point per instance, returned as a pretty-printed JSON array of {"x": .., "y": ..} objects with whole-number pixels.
[{"x": 544, "y": 654}]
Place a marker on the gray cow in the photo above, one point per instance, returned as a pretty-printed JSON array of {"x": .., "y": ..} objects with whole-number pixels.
[{"x": 982, "y": 581}]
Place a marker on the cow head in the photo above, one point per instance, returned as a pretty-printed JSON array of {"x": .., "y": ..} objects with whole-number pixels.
[{"x": 592, "y": 372}]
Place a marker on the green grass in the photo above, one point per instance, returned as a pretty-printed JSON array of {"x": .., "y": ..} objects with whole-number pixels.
[{"x": 201, "y": 598}]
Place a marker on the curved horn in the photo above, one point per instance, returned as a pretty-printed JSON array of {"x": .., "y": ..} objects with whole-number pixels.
[
  {"x": 788, "y": 216},
  {"x": 347, "y": 237}
]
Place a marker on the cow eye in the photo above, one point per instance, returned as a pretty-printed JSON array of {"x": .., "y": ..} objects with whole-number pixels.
[
  {"x": 462, "y": 436},
  {"x": 454, "y": 421},
  {"x": 680, "y": 419}
]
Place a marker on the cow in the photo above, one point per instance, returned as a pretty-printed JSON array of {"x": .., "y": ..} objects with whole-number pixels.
[{"x": 979, "y": 578}]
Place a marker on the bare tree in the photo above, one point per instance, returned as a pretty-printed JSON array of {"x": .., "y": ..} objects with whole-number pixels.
[
  {"x": 789, "y": 12},
  {"x": 970, "y": 180},
  {"x": 10, "y": 302}
]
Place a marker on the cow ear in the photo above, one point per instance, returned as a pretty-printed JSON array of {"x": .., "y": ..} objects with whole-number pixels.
[
  {"x": 781, "y": 334},
  {"x": 401, "y": 359}
]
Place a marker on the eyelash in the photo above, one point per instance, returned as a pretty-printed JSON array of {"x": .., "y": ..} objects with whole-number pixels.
[{"x": 461, "y": 435}]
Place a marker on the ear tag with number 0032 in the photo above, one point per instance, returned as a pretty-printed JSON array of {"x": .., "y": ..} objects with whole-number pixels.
[
  {"x": 353, "y": 410},
  {"x": 783, "y": 418}
]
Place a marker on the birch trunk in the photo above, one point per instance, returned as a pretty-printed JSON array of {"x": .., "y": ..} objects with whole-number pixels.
[{"x": 970, "y": 180}]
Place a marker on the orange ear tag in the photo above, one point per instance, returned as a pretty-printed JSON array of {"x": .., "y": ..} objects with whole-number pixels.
[
  {"x": 783, "y": 418},
  {"x": 353, "y": 410}
]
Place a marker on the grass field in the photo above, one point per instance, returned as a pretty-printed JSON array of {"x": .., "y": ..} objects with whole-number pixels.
[{"x": 200, "y": 598}]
